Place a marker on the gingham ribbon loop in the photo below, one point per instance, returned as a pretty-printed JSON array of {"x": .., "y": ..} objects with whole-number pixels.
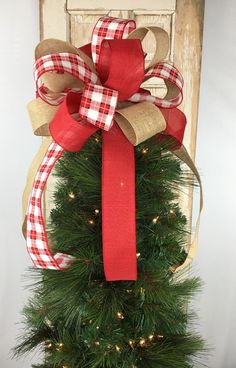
[
  {"x": 36, "y": 237},
  {"x": 62, "y": 62},
  {"x": 172, "y": 78},
  {"x": 109, "y": 28}
]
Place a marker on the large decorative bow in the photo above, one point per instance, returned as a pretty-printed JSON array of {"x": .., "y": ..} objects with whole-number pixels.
[{"x": 99, "y": 87}]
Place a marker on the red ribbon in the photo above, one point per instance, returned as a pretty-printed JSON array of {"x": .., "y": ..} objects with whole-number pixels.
[{"x": 118, "y": 166}]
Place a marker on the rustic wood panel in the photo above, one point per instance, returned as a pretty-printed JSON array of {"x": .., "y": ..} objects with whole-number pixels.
[
  {"x": 53, "y": 19},
  {"x": 187, "y": 56},
  {"x": 187, "y": 52}
]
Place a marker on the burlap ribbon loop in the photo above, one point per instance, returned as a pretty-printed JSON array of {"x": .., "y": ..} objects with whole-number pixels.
[
  {"x": 41, "y": 114},
  {"x": 161, "y": 42},
  {"x": 131, "y": 121}
]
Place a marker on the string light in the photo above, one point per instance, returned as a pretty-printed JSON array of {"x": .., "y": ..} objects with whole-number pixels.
[
  {"x": 97, "y": 327},
  {"x": 117, "y": 348},
  {"x": 160, "y": 336},
  {"x": 138, "y": 255},
  {"x": 142, "y": 342},
  {"x": 142, "y": 290},
  {"x": 151, "y": 337},
  {"x": 97, "y": 139},
  {"x": 131, "y": 343},
  {"x": 59, "y": 346},
  {"x": 91, "y": 222},
  {"x": 49, "y": 345},
  {"x": 97, "y": 343},
  {"x": 96, "y": 211},
  {"x": 144, "y": 151},
  {"x": 71, "y": 195},
  {"x": 129, "y": 291},
  {"x": 120, "y": 315},
  {"x": 172, "y": 213},
  {"x": 155, "y": 219}
]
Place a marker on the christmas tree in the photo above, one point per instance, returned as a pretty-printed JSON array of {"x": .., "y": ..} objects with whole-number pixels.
[{"x": 76, "y": 317}]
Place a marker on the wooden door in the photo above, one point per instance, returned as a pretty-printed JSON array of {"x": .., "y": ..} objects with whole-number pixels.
[{"x": 73, "y": 21}]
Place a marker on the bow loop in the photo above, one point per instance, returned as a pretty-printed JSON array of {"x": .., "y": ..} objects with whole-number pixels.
[
  {"x": 131, "y": 121},
  {"x": 63, "y": 70},
  {"x": 67, "y": 128},
  {"x": 174, "y": 83},
  {"x": 128, "y": 54},
  {"x": 161, "y": 42},
  {"x": 109, "y": 28}
]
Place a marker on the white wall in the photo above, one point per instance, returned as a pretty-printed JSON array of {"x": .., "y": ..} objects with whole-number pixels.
[
  {"x": 216, "y": 153},
  {"x": 18, "y": 36}
]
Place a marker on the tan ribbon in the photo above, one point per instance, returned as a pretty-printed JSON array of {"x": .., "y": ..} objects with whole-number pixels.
[
  {"x": 131, "y": 121},
  {"x": 183, "y": 155},
  {"x": 129, "y": 117},
  {"x": 161, "y": 42}
]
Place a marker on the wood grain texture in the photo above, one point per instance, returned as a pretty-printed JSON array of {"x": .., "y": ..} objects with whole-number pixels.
[
  {"x": 187, "y": 56},
  {"x": 187, "y": 51},
  {"x": 119, "y": 4},
  {"x": 53, "y": 19}
]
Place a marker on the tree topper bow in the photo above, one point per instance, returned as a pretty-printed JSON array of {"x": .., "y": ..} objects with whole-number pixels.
[{"x": 98, "y": 86}]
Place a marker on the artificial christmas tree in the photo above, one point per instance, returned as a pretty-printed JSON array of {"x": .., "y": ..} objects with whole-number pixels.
[{"x": 79, "y": 316}]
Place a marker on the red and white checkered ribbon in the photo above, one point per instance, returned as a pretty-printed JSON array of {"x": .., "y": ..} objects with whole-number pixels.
[
  {"x": 70, "y": 63},
  {"x": 98, "y": 104},
  {"x": 109, "y": 28},
  {"x": 168, "y": 73},
  {"x": 63, "y": 62},
  {"x": 36, "y": 236}
]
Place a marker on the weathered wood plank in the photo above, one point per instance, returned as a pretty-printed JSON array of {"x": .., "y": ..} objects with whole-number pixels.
[
  {"x": 187, "y": 56},
  {"x": 53, "y": 19},
  {"x": 118, "y": 4},
  {"x": 187, "y": 49}
]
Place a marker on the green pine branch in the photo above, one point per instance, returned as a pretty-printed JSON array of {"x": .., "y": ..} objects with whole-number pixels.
[{"x": 81, "y": 321}]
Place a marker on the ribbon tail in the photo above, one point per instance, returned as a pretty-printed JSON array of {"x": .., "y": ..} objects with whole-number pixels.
[
  {"x": 183, "y": 155},
  {"x": 118, "y": 206},
  {"x": 175, "y": 127},
  {"x": 30, "y": 178},
  {"x": 36, "y": 236}
]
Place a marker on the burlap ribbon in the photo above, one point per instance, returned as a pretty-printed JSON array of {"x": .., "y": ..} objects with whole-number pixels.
[{"x": 138, "y": 121}]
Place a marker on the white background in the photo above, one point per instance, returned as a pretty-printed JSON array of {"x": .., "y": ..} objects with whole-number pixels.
[{"x": 216, "y": 154}]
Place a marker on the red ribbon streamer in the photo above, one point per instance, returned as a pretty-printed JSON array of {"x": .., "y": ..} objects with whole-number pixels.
[{"x": 118, "y": 206}]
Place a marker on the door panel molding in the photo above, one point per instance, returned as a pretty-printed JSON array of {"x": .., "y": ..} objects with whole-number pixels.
[{"x": 119, "y": 4}]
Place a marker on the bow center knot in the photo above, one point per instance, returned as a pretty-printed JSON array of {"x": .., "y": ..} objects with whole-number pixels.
[{"x": 98, "y": 105}]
